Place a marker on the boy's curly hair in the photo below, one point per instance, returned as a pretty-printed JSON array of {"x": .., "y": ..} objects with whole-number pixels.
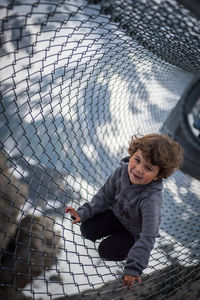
[{"x": 159, "y": 150}]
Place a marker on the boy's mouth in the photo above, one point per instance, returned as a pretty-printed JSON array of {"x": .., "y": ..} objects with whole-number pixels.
[{"x": 136, "y": 176}]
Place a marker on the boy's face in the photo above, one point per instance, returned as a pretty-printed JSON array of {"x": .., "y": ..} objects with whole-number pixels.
[{"x": 140, "y": 171}]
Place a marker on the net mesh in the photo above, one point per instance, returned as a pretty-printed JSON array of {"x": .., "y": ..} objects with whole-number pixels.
[{"x": 78, "y": 79}]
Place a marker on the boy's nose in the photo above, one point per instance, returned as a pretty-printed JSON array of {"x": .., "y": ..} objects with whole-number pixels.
[{"x": 139, "y": 169}]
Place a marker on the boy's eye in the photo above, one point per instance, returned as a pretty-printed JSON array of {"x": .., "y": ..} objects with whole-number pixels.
[
  {"x": 137, "y": 159},
  {"x": 149, "y": 169}
]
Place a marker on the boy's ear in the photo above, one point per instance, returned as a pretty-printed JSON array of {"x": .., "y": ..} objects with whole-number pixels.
[{"x": 156, "y": 178}]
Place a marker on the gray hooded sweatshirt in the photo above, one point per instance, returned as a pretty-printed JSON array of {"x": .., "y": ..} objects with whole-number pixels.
[{"x": 138, "y": 208}]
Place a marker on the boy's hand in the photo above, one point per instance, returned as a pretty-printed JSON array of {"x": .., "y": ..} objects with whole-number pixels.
[
  {"x": 74, "y": 214},
  {"x": 129, "y": 280}
]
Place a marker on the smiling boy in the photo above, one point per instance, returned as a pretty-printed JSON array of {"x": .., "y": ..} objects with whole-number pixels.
[
  {"x": 141, "y": 171},
  {"x": 126, "y": 211}
]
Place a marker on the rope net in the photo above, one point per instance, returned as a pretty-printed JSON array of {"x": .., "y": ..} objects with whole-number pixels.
[{"x": 78, "y": 79}]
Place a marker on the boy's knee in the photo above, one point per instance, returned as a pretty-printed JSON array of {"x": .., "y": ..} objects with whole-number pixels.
[
  {"x": 108, "y": 252},
  {"x": 87, "y": 232},
  {"x": 103, "y": 251}
]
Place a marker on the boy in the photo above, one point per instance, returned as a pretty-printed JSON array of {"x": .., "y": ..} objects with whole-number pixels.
[{"x": 127, "y": 209}]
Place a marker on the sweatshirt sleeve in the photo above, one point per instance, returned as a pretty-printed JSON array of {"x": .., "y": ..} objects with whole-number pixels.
[
  {"x": 138, "y": 256},
  {"x": 102, "y": 199}
]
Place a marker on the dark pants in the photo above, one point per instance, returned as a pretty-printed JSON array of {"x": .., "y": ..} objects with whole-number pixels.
[{"x": 118, "y": 239}]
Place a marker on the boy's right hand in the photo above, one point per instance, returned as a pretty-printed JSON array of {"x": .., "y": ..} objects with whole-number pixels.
[{"x": 74, "y": 214}]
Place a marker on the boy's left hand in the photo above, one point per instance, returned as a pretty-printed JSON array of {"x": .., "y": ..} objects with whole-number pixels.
[{"x": 129, "y": 280}]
